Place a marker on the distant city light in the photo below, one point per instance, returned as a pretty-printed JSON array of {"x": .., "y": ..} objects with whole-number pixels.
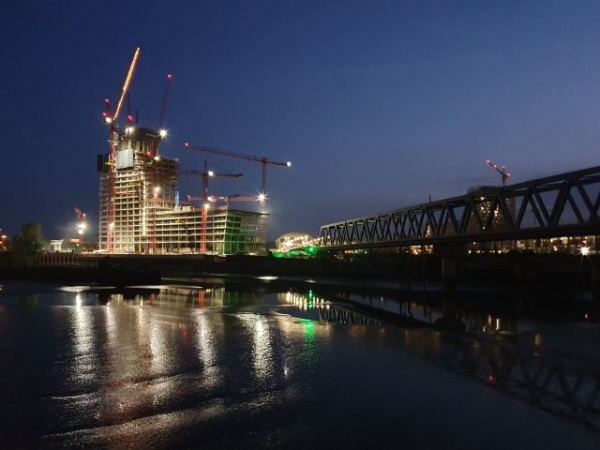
[{"x": 585, "y": 250}]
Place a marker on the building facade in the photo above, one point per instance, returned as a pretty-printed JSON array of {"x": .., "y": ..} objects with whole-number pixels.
[{"x": 140, "y": 211}]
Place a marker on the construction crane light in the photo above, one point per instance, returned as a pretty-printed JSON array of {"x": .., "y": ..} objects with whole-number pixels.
[
  {"x": 502, "y": 171},
  {"x": 162, "y": 133}
]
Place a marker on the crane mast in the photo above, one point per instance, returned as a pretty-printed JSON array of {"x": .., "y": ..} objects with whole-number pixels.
[
  {"x": 81, "y": 225},
  {"x": 163, "y": 106},
  {"x": 206, "y": 174},
  {"x": 110, "y": 118}
]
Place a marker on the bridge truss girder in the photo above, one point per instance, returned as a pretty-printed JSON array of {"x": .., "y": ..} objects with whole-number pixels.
[{"x": 560, "y": 205}]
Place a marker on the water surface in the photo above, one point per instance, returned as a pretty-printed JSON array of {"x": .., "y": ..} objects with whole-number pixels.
[{"x": 189, "y": 367}]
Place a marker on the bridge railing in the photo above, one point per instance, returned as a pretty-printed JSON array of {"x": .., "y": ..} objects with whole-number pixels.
[
  {"x": 560, "y": 205},
  {"x": 62, "y": 260}
]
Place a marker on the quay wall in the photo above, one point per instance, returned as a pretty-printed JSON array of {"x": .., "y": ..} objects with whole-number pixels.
[{"x": 563, "y": 269}]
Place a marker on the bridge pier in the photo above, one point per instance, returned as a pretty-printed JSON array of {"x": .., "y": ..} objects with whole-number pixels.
[
  {"x": 448, "y": 273},
  {"x": 449, "y": 254}
]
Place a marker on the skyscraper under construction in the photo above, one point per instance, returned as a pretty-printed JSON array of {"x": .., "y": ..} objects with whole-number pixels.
[{"x": 140, "y": 211}]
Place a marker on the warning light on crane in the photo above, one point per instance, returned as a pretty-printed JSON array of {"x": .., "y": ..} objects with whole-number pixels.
[
  {"x": 205, "y": 198},
  {"x": 501, "y": 170},
  {"x": 161, "y": 117}
]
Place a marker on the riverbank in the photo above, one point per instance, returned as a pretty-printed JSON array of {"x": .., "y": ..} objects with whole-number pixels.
[{"x": 558, "y": 270}]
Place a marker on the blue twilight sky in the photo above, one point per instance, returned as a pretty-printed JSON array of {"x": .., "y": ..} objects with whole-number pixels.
[{"x": 378, "y": 104}]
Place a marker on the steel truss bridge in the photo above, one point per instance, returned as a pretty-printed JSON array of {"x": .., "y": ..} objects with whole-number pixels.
[{"x": 556, "y": 206}]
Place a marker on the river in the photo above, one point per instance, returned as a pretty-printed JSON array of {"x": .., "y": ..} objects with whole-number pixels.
[{"x": 266, "y": 363}]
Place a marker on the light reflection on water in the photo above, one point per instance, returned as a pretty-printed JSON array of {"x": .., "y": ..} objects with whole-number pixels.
[
  {"x": 205, "y": 341},
  {"x": 147, "y": 365},
  {"x": 84, "y": 360}
]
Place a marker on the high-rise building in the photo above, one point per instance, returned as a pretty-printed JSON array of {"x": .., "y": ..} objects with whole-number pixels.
[{"x": 140, "y": 211}]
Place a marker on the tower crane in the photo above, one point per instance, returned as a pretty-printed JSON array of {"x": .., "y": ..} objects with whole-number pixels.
[
  {"x": 501, "y": 170},
  {"x": 261, "y": 159},
  {"x": 161, "y": 117},
  {"x": 81, "y": 225},
  {"x": 110, "y": 118},
  {"x": 205, "y": 174}
]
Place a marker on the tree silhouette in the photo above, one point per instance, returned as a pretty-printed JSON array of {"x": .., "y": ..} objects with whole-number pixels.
[{"x": 30, "y": 242}]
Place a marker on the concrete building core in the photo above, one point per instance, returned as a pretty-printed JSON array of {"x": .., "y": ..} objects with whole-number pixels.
[{"x": 147, "y": 216}]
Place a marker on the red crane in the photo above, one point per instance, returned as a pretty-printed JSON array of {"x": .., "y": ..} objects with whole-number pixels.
[
  {"x": 81, "y": 225},
  {"x": 261, "y": 159},
  {"x": 206, "y": 174},
  {"x": 110, "y": 118},
  {"x": 501, "y": 170}
]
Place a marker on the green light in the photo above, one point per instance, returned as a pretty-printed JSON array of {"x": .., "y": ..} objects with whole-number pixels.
[
  {"x": 309, "y": 328},
  {"x": 277, "y": 254}
]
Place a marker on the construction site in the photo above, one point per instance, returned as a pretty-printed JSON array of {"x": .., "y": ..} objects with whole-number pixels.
[{"x": 140, "y": 210}]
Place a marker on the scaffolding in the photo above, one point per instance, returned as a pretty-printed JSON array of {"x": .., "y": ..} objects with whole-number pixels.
[{"x": 147, "y": 215}]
